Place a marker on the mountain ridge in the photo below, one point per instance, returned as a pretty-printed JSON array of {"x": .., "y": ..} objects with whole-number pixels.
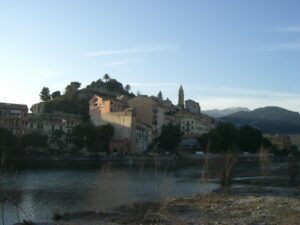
[
  {"x": 217, "y": 113},
  {"x": 269, "y": 119}
]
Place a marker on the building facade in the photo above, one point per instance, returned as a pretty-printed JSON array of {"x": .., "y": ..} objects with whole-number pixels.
[
  {"x": 108, "y": 105},
  {"x": 129, "y": 135},
  {"x": 46, "y": 123},
  {"x": 14, "y": 117},
  {"x": 192, "y": 106},
  {"x": 149, "y": 112},
  {"x": 193, "y": 125}
]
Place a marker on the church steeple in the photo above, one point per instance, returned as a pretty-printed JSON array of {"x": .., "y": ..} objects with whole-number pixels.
[{"x": 181, "y": 97}]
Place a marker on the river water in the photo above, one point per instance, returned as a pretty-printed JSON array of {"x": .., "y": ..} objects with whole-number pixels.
[{"x": 35, "y": 194}]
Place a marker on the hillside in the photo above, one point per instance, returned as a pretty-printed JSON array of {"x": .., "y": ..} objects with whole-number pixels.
[
  {"x": 75, "y": 100},
  {"x": 217, "y": 113},
  {"x": 269, "y": 119}
]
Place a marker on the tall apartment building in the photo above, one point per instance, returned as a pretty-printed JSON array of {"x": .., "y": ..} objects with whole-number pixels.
[
  {"x": 149, "y": 111},
  {"x": 13, "y": 117}
]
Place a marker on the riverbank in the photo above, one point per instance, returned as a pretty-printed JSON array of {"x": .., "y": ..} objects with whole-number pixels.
[
  {"x": 239, "y": 205},
  {"x": 134, "y": 160}
]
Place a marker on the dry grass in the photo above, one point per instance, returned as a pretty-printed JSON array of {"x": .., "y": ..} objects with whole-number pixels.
[{"x": 264, "y": 161}]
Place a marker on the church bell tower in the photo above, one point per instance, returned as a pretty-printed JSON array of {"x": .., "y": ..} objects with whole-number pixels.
[{"x": 181, "y": 97}]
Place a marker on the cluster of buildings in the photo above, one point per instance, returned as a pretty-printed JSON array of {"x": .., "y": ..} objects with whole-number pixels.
[
  {"x": 284, "y": 141},
  {"x": 137, "y": 121}
]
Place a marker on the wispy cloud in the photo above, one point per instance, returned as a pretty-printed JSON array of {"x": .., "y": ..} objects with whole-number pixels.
[
  {"x": 153, "y": 84},
  {"x": 224, "y": 97},
  {"x": 124, "y": 62},
  {"x": 233, "y": 91},
  {"x": 129, "y": 51},
  {"x": 292, "y": 29}
]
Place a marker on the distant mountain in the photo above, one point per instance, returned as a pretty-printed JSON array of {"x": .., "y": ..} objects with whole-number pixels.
[
  {"x": 217, "y": 113},
  {"x": 269, "y": 119}
]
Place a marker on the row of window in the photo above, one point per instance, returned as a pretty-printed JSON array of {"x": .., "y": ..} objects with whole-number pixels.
[
  {"x": 13, "y": 122},
  {"x": 8, "y": 113}
]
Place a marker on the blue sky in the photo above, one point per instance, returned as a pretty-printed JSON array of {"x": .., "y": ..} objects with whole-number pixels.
[{"x": 224, "y": 53}]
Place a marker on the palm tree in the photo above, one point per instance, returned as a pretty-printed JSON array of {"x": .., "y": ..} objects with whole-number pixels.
[
  {"x": 106, "y": 77},
  {"x": 127, "y": 87}
]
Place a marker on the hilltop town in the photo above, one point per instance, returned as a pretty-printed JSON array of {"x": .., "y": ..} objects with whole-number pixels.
[{"x": 106, "y": 117}]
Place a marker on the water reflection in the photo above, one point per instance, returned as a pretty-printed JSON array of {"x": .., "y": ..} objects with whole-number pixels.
[{"x": 40, "y": 193}]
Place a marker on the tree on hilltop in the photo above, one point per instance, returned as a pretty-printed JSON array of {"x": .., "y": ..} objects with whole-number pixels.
[
  {"x": 127, "y": 87},
  {"x": 45, "y": 94},
  {"x": 55, "y": 94},
  {"x": 106, "y": 77},
  {"x": 72, "y": 88}
]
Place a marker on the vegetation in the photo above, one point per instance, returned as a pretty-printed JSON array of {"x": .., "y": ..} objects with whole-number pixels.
[
  {"x": 292, "y": 169},
  {"x": 226, "y": 137},
  {"x": 86, "y": 135},
  {"x": 45, "y": 94},
  {"x": 72, "y": 88},
  {"x": 59, "y": 138},
  {"x": 75, "y": 100},
  {"x": 33, "y": 142},
  {"x": 7, "y": 145},
  {"x": 170, "y": 137},
  {"x": 226, "y": 173},
  {"x": 127, "y": 88},
  {"x": 55, "y": 94}
]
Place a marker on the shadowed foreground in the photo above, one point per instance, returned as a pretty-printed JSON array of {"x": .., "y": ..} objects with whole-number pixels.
[{"x": 246, "y": 205}]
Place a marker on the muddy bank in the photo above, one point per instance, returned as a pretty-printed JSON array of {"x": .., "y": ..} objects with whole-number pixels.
[{"x": 247, "y": 205}]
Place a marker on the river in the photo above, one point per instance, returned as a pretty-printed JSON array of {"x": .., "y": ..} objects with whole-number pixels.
[{"x": 35, "y": 194}]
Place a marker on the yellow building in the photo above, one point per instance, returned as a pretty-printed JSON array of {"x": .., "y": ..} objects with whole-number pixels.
[
  {"x": 129, "y": 135},
  {"x": 149, "y": 111},
  {"x": 107, "y": 105}
]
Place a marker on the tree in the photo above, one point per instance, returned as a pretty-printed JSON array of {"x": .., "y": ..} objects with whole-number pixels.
[
  {"x": 72, "y": 88},
  {"x": 170, "y": 137},
  {"x": 160, "y": 96},
  {"x": 91, "y": 137},
  {"x": 204, "y": 141},
  {"x": 55, "y": 94},
  {"x": 33, "y": 141},
  {"x": 58, "y": 137},
  {"x": 45, "y": 94},
  {"x": 114, "y": 85},
  {"x": 223, "y": 138},
  {"x": 127, "y": 88},
  {"x": 106, "y": 77},
  {"x": 250, "y": 139},
  {"x": 7, "y": 145}
]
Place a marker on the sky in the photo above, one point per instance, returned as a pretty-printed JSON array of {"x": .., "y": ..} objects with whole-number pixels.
[{"x": 224, "y": 53}]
